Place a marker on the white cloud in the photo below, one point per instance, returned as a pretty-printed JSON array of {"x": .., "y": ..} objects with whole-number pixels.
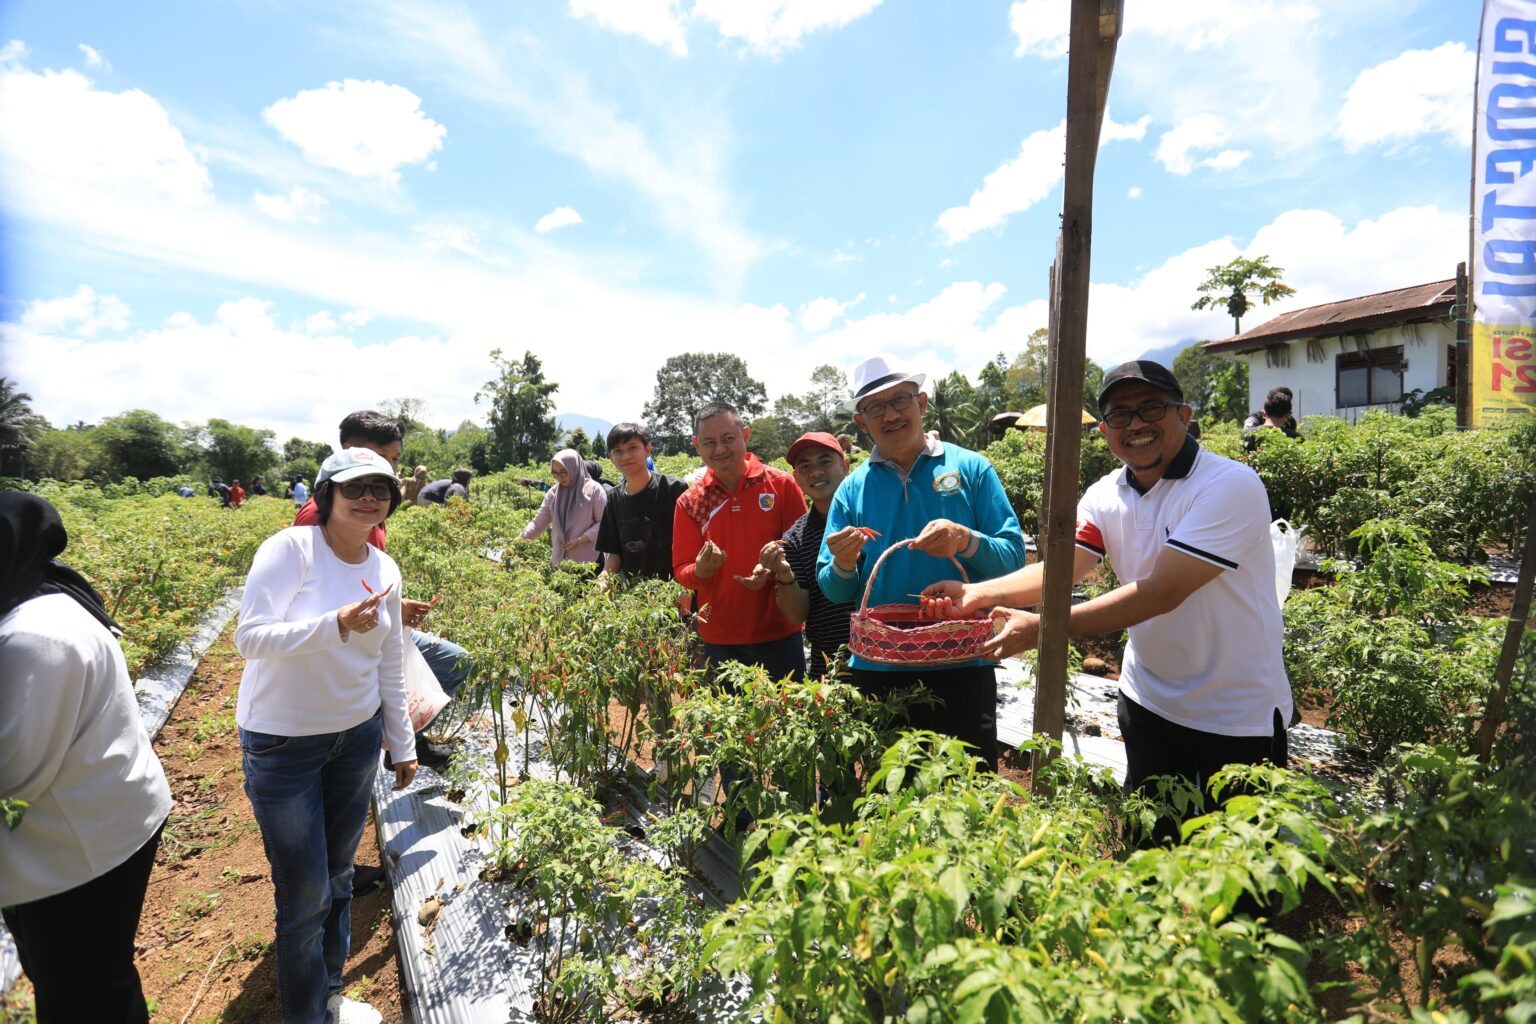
[
  {"x": 1025, "y": 180},
  {"x": 58, "y": 125},
  {"x": 195, "y": 368},
  {"x": 366, "y": 129},
  {"x": 12, "y": 52},
  {"x": 84, "y": 313},
  {"x": 1134, "y": 192},
  {"x": 457, "y": 238},
  {"x": 1180, "y": 59},
  {"x": 1418, "y": 92},
  {"x": 818, "y": 314},
  {"x": 319, "y": 324},
  {"x": 94, "y": 59},
  {"x": 1323, "y": 258},
  {"x": 559, "y": 217},
  {"x": 300, "y": 204},
  {"x": 1041, "y": 27},
  {"x": 659, "y": 22},
  {"x": 774, "y": 26},
  {"x": 1176, "y": 149}
]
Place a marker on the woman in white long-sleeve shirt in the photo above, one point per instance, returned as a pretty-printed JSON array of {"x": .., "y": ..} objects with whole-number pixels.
[
  {"x": 572, "y": 510},
  {"x": 74, "y": 870},
  {"x": 320, "y": 629}
]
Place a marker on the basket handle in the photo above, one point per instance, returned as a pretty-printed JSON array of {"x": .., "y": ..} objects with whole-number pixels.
[{"x": 864, "y": 604}]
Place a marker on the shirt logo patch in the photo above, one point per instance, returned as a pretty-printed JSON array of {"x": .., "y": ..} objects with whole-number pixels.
[
  {"x": 765, "y": 501},
  {"x": 947, "y": 483}
]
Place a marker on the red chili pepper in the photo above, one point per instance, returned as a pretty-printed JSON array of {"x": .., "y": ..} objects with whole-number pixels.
[
  {"x": 869, "y": 531},
  {"x": 366, "y": 586}
]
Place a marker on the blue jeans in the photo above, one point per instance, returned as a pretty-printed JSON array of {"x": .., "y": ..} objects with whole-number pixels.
[
  {"x": 311, "y": 795},
  {"x": 446, "y": 660}
]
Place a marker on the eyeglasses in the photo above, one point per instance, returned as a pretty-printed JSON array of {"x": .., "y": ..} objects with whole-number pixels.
[
  {"x": 354, "y": 489},
  {"x": 1149, "y": 412},
  {"x": 900, "y": 403}
]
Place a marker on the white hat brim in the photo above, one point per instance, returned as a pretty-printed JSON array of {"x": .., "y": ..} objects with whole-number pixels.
[{"x": 852, "y": 404}]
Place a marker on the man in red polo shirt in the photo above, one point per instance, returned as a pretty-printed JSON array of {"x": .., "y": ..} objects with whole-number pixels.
[{"x": 719, "y": 528}]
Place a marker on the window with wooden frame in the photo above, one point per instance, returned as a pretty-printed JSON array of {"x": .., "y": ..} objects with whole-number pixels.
[{"x": 1372, "y": 377}]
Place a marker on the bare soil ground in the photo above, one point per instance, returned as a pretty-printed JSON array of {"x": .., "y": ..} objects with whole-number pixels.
[{"x": 205, "y": 949}]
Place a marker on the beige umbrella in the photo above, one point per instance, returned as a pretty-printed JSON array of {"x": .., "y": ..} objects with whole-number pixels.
[{"x": 1035, "y": 418}]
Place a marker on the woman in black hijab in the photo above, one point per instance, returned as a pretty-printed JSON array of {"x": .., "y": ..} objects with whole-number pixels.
[{"x": 74, "y": 751}]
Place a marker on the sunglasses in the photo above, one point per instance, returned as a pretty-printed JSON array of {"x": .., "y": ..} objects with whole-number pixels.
[
  {"x": 1149, "y": 412},
  {"x": 354, "y": 489}
]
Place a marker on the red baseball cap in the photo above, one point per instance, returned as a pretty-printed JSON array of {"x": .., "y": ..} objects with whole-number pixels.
[{"x": 820, "y": 437}]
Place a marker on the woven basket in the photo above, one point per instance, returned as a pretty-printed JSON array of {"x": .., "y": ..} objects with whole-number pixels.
[{"x": 897, "y": 634}]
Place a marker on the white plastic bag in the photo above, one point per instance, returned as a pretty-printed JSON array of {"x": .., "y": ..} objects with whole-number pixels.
[
  {"x": 424, "y": 696},
  {"x": 1284, "y": 538}
]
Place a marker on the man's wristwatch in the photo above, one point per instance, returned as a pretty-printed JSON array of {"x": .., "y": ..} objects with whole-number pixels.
[{"x": 785, "y": 583}]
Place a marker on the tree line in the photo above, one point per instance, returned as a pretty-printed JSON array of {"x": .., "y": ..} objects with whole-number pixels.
[{"x": 521, "y": 430}]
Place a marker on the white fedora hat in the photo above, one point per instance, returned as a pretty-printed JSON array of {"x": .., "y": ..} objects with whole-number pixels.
[{"x": 875, "y": 374}]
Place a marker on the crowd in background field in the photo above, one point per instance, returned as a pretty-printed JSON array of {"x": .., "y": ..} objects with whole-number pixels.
[{"x": 776, "y": 565}]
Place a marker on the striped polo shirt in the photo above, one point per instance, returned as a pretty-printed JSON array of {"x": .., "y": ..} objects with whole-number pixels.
[{"x": 826, "y": 624}]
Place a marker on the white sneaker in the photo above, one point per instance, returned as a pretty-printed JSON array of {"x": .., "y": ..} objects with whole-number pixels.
[{"x": 347, "y": 1011}]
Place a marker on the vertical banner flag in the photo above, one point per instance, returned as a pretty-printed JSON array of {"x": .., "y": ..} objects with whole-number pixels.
[{"x": 1504, "y": 215}]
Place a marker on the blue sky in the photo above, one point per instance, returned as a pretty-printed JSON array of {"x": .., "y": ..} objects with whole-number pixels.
[{"x": 277, "y": 212}]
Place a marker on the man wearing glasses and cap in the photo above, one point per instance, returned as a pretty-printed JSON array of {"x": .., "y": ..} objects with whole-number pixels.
[
  {"x": 949, "y": 501},
  {"x": 1203, "y": 683}
]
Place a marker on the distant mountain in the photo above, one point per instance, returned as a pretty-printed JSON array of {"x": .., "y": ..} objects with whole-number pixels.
[
  {"x": 1166, "y": 353},
  {"x": 569, "y": 421}
]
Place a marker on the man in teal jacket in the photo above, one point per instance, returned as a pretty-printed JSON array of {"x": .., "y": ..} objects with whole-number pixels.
[{"x": 950, "y": 500}]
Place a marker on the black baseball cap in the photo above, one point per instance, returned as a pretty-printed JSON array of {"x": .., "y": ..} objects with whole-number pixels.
[{"x": 1156, "y": 374}]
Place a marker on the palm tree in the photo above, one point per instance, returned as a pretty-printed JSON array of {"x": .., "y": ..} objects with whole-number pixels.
[
  {"x": 951, "y": 407},
  {"x": 1229, "y": 285},
  {"x": 18, "y": 423}
]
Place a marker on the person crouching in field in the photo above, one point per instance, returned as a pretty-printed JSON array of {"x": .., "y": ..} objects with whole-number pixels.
[
  {"x": 74, "y": 869},
  {"x": 321, "y": 632}
]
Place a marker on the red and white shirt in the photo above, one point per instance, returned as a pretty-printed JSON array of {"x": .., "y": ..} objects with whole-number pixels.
[
  {"x": 1214, "y": 663},
  {"x": 765, "y": 503}
]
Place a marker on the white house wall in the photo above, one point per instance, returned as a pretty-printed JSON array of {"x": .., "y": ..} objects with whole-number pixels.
[{"x": 1425, "y": 347}]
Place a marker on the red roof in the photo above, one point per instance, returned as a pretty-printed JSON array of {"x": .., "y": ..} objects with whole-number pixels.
[{"x": 1347, "y": 316}]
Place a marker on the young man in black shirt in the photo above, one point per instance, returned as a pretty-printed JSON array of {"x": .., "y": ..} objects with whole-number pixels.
[
  {"x": 636, "y": 529},
  {"x": 820, "y": 467}
]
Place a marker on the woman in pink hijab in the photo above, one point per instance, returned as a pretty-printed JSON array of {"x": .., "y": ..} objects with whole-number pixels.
[{"x": 571, "y": 511}]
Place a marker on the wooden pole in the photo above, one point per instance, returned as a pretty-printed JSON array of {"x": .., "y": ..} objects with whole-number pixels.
[
  {"x": 1514, "y": 631},
  {"x": 1095, "y": 30},
  {"x": 1462, "y": 315}
]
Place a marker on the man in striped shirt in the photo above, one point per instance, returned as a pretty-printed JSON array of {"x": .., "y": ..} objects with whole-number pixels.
[{"x": 820, "y": 466}]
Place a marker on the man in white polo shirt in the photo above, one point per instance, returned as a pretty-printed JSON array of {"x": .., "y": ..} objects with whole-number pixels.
[{"x": 1203, "y": 683}]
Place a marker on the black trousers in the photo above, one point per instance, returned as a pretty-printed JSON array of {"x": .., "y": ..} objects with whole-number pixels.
[
  {"x": 1155, "y": 746},
  {"x": 76, "y": 946},
  {"x": 967, "y": 701}
]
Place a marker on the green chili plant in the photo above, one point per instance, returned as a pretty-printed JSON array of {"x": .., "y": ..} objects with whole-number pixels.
[
  {"x": 610, "y": 931},
  {"x": 796, "y": 745},
  {"x": 955, "y": 896},
  {"x": 1441, "y": 833},
  {"x": 1387, "y": 644}
]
